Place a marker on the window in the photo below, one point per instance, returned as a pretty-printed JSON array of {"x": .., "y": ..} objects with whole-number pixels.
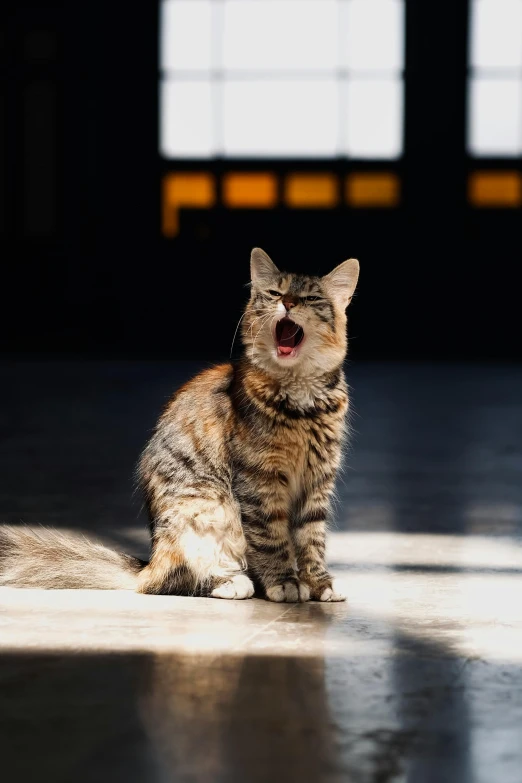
[
  {"x": 281, "y": 79},
  {"x": 495, "y": 79}
]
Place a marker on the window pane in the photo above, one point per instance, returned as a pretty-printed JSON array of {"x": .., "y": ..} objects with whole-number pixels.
[
  {"x": 186, "y": 34},
  {"x": 374, "y": 37},
  {"x": 374, "y": 118},
  {"x": 280, "y": 118},
  {"x": 495, "y": 112},
  {"x": 186, "y": 119},
  {"x": 496, "y": 30},
  {"x": 297, "y": 113},
  {"x": 269, "y": 35}
]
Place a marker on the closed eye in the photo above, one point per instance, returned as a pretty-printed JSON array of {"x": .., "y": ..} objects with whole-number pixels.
[
  {"x": 275, "y": 293},
  {"x": 313, "y": 298}
]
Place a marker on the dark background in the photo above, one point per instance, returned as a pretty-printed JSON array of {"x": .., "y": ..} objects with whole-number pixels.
[{"x": 85, "y": 271}]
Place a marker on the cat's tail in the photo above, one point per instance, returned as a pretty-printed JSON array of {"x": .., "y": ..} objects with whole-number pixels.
[{"x": 47, "y": 558}]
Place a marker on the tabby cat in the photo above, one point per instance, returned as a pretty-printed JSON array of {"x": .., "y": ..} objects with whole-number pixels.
[{"x": 239, "y": 472}]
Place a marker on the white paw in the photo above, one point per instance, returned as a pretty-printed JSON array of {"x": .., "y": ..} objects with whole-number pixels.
[
  {"x": 304, "y": 592},
  {"x": 286, "y": 592},
  {"x": 332, "y": 594},
  {"x": 239, "y": 586}
]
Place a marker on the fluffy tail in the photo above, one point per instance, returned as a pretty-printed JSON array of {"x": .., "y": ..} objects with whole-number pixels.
[{"x": 46, "y": 558}]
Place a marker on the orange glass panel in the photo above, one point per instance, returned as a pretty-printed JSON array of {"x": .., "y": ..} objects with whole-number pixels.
[
  {"x": 311, "y": 190},
  {"x": 495, "y": 189},
  {"x": 185, "y": 190},
  {"x": 373, "y": 189},
  {"x": 250, "y": 190}
]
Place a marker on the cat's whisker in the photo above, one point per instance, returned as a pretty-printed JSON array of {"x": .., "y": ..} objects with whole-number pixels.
[
  {"x": 258, "y": 333},
  {"x": 254, "y": 322},
  {"x": 237, "y": 327},
  {"x": 260, "y": 329},
  {"x": 255, "y": 338},
  {"x": 235, "y": 333},
  {"x": 257, "y": 319}
]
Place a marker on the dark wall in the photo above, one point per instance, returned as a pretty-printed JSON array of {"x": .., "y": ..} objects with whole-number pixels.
[{"x": 85, "y": 271}]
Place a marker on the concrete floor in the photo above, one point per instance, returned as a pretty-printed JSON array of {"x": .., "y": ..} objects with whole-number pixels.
[{"x": 417, "y": 678}]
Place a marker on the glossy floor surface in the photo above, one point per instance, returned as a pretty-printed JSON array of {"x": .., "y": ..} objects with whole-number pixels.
[{"x": 417, "y": 678}]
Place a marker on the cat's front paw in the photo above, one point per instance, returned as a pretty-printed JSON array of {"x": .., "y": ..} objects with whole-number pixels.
[
  {"x": 285, "y": 592},
  {"x": 237, "y": 587},
  {"x": 324, "y": 591},
  {"x": 332, "y": 593},
  {"x": 289, "y": 592}
]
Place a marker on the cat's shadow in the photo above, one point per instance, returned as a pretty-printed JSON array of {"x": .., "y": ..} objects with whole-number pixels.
[{"x": 255, "y": 715}]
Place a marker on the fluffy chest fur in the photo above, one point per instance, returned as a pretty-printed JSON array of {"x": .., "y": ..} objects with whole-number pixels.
[{"x": 287, "y": 437}]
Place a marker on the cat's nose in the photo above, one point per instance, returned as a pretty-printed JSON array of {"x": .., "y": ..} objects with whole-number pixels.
[{"x": 288, "y": 303}]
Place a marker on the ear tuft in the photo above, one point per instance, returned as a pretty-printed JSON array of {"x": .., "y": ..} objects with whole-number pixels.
[
  {"x": 262, "y": 268},
  {"x": 341, "y": 282}
]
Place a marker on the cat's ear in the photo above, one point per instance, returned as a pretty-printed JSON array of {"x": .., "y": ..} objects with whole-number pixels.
[
  {"x": 263, "y": 271},
  {"x": 340, "y": 283}
]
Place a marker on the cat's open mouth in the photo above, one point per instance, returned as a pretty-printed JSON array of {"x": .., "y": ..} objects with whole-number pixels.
[{"x": 288, "y": 336}]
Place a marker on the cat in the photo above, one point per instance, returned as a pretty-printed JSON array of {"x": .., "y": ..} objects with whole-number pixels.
[{"x": 240, "y": 470}]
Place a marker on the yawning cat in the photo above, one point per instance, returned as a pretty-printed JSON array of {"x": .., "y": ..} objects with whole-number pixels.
[{"x": 240, "y": 469}]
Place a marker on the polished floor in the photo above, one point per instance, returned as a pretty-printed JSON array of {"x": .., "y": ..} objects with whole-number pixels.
[{"x": 417, "y": 678}]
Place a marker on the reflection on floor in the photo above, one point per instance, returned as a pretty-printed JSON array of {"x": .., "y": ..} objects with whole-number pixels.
[{"x": 417, "y": 678}]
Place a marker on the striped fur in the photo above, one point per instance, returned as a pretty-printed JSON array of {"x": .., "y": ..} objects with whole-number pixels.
[
  {"x": 239, "y": 473},
  {"x": 240, "y": 470}
]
